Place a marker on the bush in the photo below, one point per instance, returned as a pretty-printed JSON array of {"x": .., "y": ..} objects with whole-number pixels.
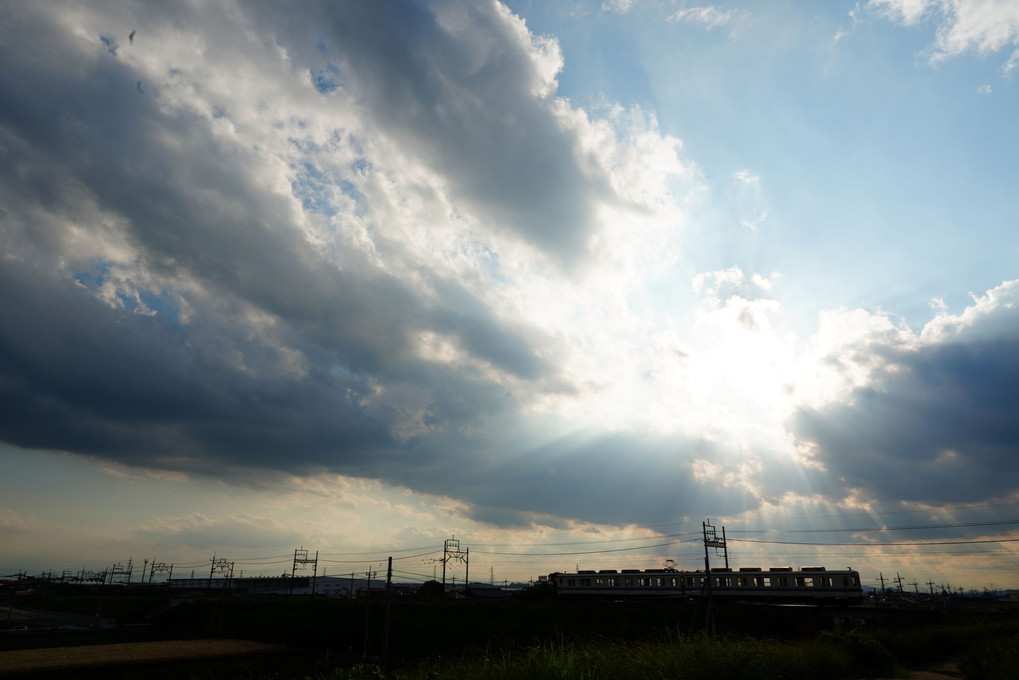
[{"x": 998, "y": 660}]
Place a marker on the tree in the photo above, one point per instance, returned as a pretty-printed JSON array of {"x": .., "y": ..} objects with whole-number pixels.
[
  {"x": 431, "y": 590},
  {"x": 542, "y": 590}
]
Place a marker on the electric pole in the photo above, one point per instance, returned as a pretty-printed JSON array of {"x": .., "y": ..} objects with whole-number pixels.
[
  {"x": 711, "y": 540},
  {"x": 385, "y": 630},
  {"x": 451, "y": 551},
  {"x": 367, "y": 607},
  {"x": 301, "y": 560},
  {"x": 161, "y": 568},
  {"x": 223, "y": 566}
]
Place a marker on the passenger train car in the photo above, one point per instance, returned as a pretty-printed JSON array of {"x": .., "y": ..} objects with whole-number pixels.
[{"x": 777, "y": 584}]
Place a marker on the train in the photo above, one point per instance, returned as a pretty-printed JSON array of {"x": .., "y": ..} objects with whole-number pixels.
[{"x": 776, "y": 584}]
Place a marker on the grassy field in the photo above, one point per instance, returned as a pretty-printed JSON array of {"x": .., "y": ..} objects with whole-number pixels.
[{"x": 340, "y": 639}]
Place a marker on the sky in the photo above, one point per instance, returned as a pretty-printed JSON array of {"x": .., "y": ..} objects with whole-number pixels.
[{"x": 562, "y": 280}]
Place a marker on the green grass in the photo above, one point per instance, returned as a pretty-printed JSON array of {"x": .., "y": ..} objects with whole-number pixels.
[
  {"x": 342, "y": 639},
  {"x": 987, "y": 645},
  {"x": 680, "y": 657},
  {"x": 994, "y": 660}
]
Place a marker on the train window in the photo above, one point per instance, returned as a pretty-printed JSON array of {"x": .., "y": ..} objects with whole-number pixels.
[
  {"x": 798, "y": 581},
  {"x": 629, "y": 581},
  {"x": 585, "y": 581},
  {"x": 766, "y": 581},
  {"x": 673, "y": 581}
]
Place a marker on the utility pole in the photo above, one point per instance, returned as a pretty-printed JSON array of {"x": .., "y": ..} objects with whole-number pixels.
[
  {"x": 451, "y": 551},
  {"x": 711, "y": 540},
  {"x": 162, "y": 568},
  {"x": 99, "y": 604},
  {"x": 385, "y": 630},
  {"x": 223, "y": 566},
  {"x": 301, "y": 560},
  {"x": 367, "y": 606},
  {"x": 121, "y": 570}
]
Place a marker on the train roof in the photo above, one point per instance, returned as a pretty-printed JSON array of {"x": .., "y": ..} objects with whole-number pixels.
[{"x": 714, "y": 570}]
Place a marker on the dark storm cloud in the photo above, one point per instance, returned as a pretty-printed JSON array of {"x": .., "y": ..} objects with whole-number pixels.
[
  {"x": 454, "y": 84},
  {"x": 83, "y": 377},
  {"x": 164, "y": 309},
  {"x": 940, "y": 427},
  {"x": 190, "y": 208}
]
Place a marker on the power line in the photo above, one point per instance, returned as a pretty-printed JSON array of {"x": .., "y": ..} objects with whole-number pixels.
[
  {"x": 864, "y": 545},
  {"x": 870, "y": 529},
  {"x": 383, "y": 551},
  {"x": 582, "y": 552},
  {"x": 592, "y": 542}
]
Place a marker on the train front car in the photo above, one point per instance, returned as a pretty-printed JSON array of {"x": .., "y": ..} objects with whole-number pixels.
[{"x": 777, "y": 584}]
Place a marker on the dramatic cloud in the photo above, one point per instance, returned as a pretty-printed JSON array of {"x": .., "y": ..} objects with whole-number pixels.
[
  {"x": 287, "y": 253},
  {"x": 327, "y": 250},
  {"x": 934, "y": 422}
]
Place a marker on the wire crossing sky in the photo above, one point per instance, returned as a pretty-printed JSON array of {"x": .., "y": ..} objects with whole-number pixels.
[{"x": 358, "y": 276}]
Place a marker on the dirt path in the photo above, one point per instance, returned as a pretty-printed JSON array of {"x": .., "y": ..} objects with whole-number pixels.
[
  {"x": 127, "y": 654},
  {"x": 945, "y": 670}
]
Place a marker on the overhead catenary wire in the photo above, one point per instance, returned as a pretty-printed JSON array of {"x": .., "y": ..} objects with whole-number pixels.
[
  {"x": 897, "y": 543},
  {"x": 619, "y": 547},
  {"x": 917, "y": 527},
  {"x": 581, "y": 552}
]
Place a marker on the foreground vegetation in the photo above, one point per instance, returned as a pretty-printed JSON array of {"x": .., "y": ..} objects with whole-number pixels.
[
  {"x": 538, "y": 639},
  {"x": 831, "y": 655},
  {"x": 689, "y": 657},
  {"x": 985, "y": 644}
]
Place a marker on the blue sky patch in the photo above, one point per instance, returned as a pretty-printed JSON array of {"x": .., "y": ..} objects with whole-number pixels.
[
  {"x": 328, "y": 79},
  {"x": 109, "y": 44}
]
